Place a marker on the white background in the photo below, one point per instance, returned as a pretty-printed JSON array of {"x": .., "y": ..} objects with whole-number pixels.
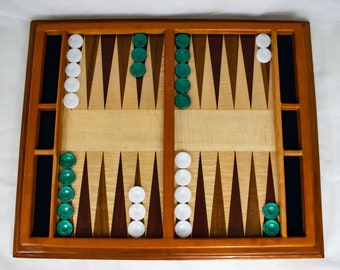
[{"x": 324, "y": 16}]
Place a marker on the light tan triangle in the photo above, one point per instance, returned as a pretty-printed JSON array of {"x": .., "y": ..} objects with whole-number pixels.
[
  {"x": 130, "y": 99},
  {"x": 259, "y": 101},
  {"x": 241, "y": 93},
  {"x": 227, "y": 167},
  {"x": 111, "y": 172},
  {"x": 147, "y": 99},
  {"x": 243, "y": 169},
  {"x": 96, "y": 99},
  {"x": 225, "y": 99},
  {"x": 94, "y": 161},
  {"x": 208, "y": 100},
  {"x": 113, "y": 100},
  {"x": 193, "y": 92}
]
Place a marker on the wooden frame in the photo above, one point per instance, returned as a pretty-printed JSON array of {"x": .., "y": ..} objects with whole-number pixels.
[{"x": 169, "y": 246}]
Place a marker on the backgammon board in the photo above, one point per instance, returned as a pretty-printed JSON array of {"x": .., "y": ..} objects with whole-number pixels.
[{"x": 166, "y": 139}]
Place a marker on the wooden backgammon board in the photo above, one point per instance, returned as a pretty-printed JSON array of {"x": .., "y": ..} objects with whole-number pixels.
[{"x": 165, "y": 139}]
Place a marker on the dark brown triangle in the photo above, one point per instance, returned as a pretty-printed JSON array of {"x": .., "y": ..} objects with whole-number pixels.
[
  {"x": 137, "y": 175},
  {"x": 200, "y": 223},
  {"x": 156, "y": 48},
  {"x": 248, "y": 50},
  {"x": 215, "y": 45},
  {"x": 108, "y": 43},
  {"x": 218, "y": 227},
  {"x": 231, "y": 43},
  {"x": 124, "y": 43},
  {"x": 235, "y": 228},
  {"x": 270, "y": 192},
  {"x": 91, "y": 43},
  {"x": 84, "y": 228},
  {"x": 155, "y": 228},
  {"x": 265, "y": 67},
  {"x": 101, "y": 223},
  {"x": 199, "y": 44},
  {"x": 119, "y": 226},
  {"x": 253, "y": 223}
]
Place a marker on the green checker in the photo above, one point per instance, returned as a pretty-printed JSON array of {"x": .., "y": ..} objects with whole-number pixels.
[
  {"x": 66, "y": 177},
  {"x": 64, "y": 227},
  {"x": 138, "y": 54},
  {"x": 65, "y": 210},
  {"x": 271, "y": 227},
  {"x": 139, "y": 40},
  {"x": 182, "y": 101},
  {"x": 66, "y": 194},
  {"x": 67, "y": 160},
  {"x": 137, "y": 70},
  {"x": 182, "y": 85},
  {"x": 182, "y": 41},
  {"x": 271, "y": 210},
  {"x": 182, "y": 55},
  {"x": 182, "y": 70}
]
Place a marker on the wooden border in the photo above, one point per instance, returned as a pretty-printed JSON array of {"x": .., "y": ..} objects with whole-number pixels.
[{"x": 169, "y": 248}]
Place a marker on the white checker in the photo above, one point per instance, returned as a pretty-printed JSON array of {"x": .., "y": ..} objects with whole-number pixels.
[
  {"x": 182, "y": 194},
  {"x": 71, "y": 85},
  {"x": 263, "y": 40},
  {"x": 72, "y": 70},
  {"x": 137, "y": 211},
  {"x": 183, "y": 229},
  {"x": 71, "y": 100},
  {"x": 75, "y": 41},
  {"x": 136, "y": 228},
  {"x": 182, "y": 160},
  {"x": 264, "y": 55},
  {"x": 136, "y": 194},
  {"x": 182, "y": 211},
  {"x": 74, "y": 55}
]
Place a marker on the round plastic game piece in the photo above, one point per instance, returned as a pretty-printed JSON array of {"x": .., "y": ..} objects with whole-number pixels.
[
  {"x": 74, "y": 55},
  {"x": 182, "y": 160},
  {"x": 65, "y": 210},
  {"x": 182, "y": 55},
  {"x": 182, "y": 85},
  {"x": 138, "y": 54},
  {"x": 64, "y": 227},
  {"x": 139, "y": 40},
  {"x": 271, "y": 210},
  {"x": 71, "y": 100},
  {"x": 66, "y": 194},
  {"x": 137, "y": 211},
  {"x": 136, "y": 194},
  {"x": 183, "y": 229},
  {"x": 75, "y": 41},
  {"x": 136, "y": 228},
  {"x": 271, "y": 227},
  {"x": 182, "y": 194},
  {"x": 182, "y": 177},
  {"x": 66, "y": 177},
  {"x": 182, "y": 41},
  {"x": 71, "y": 85},
  {"x": 137, "y": 70},
  {"x": 67, "y": 160},
  {"x": 263, "y": 40},
  {"x": 72, "y": 70},
  {"x": 182, "y": 211},
  {"x": 264, "y": 55},
  {"x": 182, "y": 70},
  {"x": 182, "y": 101}
]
